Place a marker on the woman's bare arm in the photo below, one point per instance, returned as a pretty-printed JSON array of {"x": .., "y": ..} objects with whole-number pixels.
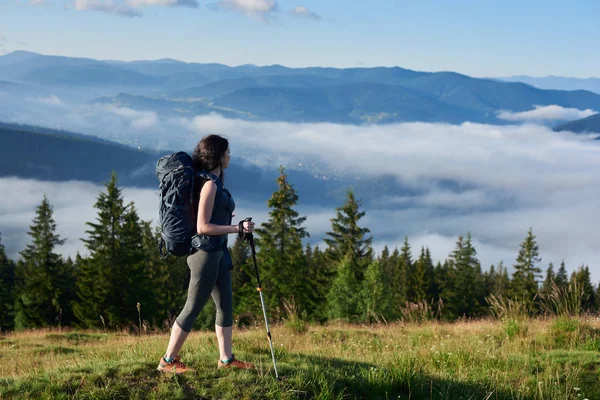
[{"x": 205, "y": 208}]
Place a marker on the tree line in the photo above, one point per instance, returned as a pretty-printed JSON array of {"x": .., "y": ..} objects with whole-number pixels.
[{"x": 122, "y": 283}]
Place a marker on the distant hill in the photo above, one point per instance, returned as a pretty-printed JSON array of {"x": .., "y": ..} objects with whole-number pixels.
[
  {"x": 45, "y": 154},
  {"x": 352, "y": 103},
  {"x": 558, "y": 82},
  {"x": 224, "y": 86},
  {"x": 165, "y": 106},
  {"x": 488, "y": 95},
  {"x": 590, "y": 124},
  {"x": 39, "y": 153},
  {"x": 17, "y": 89}
]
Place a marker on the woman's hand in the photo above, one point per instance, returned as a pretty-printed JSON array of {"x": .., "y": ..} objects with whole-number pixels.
[{"x": 248, "y": 226}]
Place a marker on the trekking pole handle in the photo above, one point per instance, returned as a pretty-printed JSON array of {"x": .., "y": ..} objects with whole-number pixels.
[{"x": 242, "y": 235}]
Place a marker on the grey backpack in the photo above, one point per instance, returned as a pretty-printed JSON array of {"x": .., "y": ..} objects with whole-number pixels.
[{"x": 178, "y": 192}]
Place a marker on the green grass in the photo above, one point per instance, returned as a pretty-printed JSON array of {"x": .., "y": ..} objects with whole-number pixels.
[{"x": 546, "y": 359}]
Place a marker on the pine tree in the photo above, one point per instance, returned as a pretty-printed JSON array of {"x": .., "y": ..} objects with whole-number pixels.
[
  {"x": 343, "y": 303},
  {"x": 281, "y": 255},
  {"x": 490, "y": 279},
  {"x": 561, "y": 278},
  {"x": 39, "y": 273},
  {"x": 136, "y": 283},
  {"x": 399, "y": 279},
  {"x": 550, "y": 280},
  {"x": 467, "y": 278},
  {"x": 419, "y": 280},
  {"x": 388, "y": 265},
  {"x": 502, "y": 282},
  {"x": 583, "y": 278},
  {"x": 597, "y": 297},
  {"x": 524, "y": 284},
  {"x": 242, "y": 276},
  {"x": 384, "y": 258},
  {"x": 375, "y": 289},
  {"x": 445, "y": 278},
  {"x": 112, "y": 279},
  {"x": 480, "y": 292},
  {"x": 167, "y": 280},
  {"x": 432, "y": 289},
  {"x": 347, "y": 239},
  {"x": 7, "y": 287},
  {"x": 319, "y": 278},
  {"x": 67, "y": 282}
]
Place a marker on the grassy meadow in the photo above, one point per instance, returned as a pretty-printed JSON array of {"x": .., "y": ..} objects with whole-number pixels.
[{"x": 487, "y": 359}]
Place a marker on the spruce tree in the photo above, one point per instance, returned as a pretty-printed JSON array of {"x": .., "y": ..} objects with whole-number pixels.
[
  {"x": 375, "y": 289},
  {"x": 347, "y": 238},
  {"x": 320, "y": 275},
  {"x": 399, "y": 279},
  {"x": 561, "y": 278},
  {"x": 445, "y": 278},
  {"x": 467, "y": 278},
  {"x": 419, "y": 281},
  {"x": 7, "y": 291},
  {"x": 524, "y": 284},
  {"x": 432, "y": 289},
  {"x": 502, "y": 282},
  {"x": 137, "y": 273},
  {"x": 490, "y": 279},
  {"x": 67, "y": 281},
  {"x": 281, "y": 257},
  {"x": 242, "y": 275},
  {"x": 342, "y": 300},
  {"x": 597, "y": 297},
  {"x": 550, "y": 280},
  {"x": 166, "y": 279},
  {"x": 39, "y": 273},
  {"x": 112, "y": 279},
  {"x": 583, "y": 278},
  {"x": 383, "y": 258}
]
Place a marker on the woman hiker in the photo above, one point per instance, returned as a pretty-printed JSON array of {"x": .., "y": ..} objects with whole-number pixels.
[{"x": 210, "y": 264}]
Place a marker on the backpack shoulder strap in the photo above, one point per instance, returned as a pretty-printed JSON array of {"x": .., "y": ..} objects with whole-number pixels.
[{"x": 216, "y": 180}]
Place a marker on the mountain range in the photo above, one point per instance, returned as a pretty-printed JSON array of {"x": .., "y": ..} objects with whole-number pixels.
[{"x": 277, "y": 93}]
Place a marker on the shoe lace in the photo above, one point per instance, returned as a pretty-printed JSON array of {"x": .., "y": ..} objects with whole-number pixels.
[{"x": 177, "y": 362}]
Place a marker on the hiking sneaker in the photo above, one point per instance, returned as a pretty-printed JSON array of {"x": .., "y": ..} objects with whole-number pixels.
[
  {"x": 175, "y": 366},
  {"x": 234, "y": 363}
]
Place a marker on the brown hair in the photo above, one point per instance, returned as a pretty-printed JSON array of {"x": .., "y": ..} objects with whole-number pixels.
[{"x": 209, "y": 152}]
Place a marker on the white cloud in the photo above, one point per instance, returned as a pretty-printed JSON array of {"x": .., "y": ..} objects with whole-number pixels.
[
  {"x": 107, "y": 6},
  {"x": 138, "y": 119},
  {"x": 417, "y": 153},
  {"x": 168, "y": 3},
  {"x": 253, "y": 8},
  {"x": 51, "y": 100},
  {"x": 37, "y": 2},
  {"x": 304, "y": 12},
  {"x": 546, "y": 113},
  {"x": 468, "y": 199}
]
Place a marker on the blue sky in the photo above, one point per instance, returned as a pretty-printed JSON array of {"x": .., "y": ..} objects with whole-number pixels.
[{"x": 478, "y": 38}]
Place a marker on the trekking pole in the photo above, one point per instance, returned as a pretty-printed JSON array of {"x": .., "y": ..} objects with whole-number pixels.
[{"x": 250, "y": 238}]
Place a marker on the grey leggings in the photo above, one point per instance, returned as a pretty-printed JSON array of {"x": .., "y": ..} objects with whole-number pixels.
[{"x": 210, "y": 276}]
